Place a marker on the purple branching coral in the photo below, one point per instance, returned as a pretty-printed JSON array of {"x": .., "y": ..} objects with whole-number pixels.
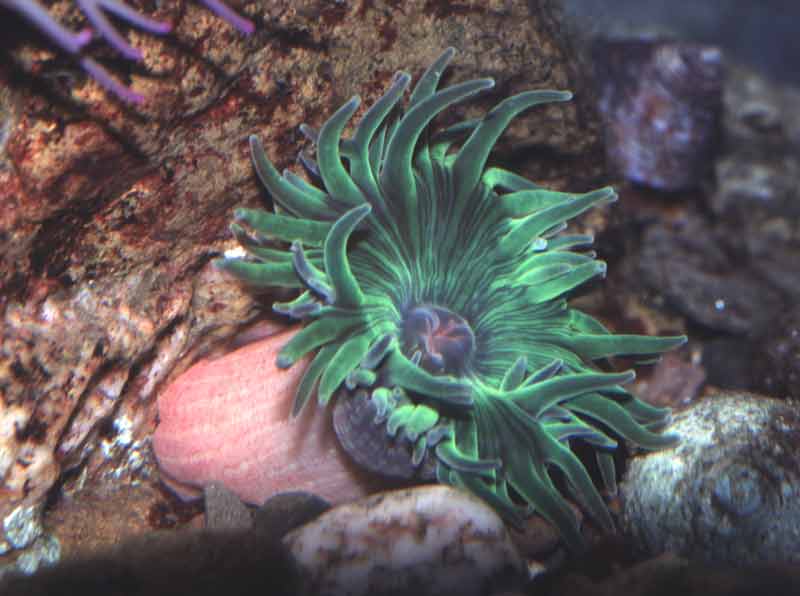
[{"x": 74, "y": 42}]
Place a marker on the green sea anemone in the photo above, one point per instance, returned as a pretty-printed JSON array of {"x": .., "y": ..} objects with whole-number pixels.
[{"x": 435, "y": 288}]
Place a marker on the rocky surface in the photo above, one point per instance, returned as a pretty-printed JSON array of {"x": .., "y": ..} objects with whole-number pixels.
[
  {"x": 729, "y": 492},
  {"x": 109, "y": 216},
  {"x": 661, "y": 102},
  {"x": 109, "y": 213},
  {"x": 727, "y": 259}
]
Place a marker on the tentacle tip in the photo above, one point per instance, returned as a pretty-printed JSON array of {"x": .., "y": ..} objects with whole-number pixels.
[
  {"x": 609, "y": 194},
  {"x": 353, "y": 104},
  {"x": 163, "y": 27},
  {"x": 670, "y": 439},
  {"x": 284, "y": 361},
  {"x": 221, "y": 264},
  {"x": 246, "y": 26},
  {"x": 401, "y": 77},
  {"x": 678, "y": 341}
]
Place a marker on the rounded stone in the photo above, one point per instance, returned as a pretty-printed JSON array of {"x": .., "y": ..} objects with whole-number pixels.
[
  {"x": 729, "y": 492},
  {"x": 423, "y": 541}
]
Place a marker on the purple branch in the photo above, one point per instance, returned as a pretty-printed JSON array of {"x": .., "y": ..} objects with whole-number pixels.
[{"x": 73, "y": 43}]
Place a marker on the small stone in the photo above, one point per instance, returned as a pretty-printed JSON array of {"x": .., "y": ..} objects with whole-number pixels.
[
  {"x": 224, "y": 510},
  {"x": 426, "y": 540}
]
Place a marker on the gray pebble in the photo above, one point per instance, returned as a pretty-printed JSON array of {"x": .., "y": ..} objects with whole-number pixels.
[{"x": 224, "y": 510}]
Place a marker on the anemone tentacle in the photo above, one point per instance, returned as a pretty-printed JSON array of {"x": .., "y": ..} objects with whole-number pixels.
[
  {"x": 94, "y": 10},
  {"x": 437, "y": 289}
]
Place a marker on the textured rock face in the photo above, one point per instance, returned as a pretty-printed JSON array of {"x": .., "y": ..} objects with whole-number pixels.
[
  {"x": 109, "y": 213},
  {"x": 661, "y": 102},
  {"x": 429, "y": 540},
  {"x": 729, "y": 492},
  {"x": 732, "y": 267}
]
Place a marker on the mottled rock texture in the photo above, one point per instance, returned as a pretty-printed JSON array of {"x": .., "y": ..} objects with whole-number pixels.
[
  {"x": 431, "y": 540},
  {"x": 728, "y": 492},
  {"x": 661, "y": 102},
  {"x": 109, "y": 214}
]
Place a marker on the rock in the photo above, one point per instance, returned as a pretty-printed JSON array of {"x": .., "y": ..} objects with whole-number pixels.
[
  {"x": 88, "y": 522},
  {"x": 777, "y": 361},
  {"x": 284, "y": 512},
  {"x": 427, "y": 540},
  {"x": 729, "y": 492},
  {"x": 45, "y": 552},
  {"x": 729, "y": 362},
  {"x": 667, "y": 575},
  {"x": 185, "y": 563},
  {"x": 224, "y": 510},
  {"x": 22, "y": 526},
  {"x": 697, "y": 270},
  {"x": 672, "y": 383},
  {"x": 662, "y": 105}
]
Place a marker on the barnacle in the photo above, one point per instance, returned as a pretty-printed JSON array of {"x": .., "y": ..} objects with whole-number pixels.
[
  {"x": 435, "y": 287},
  {"x": 74, "y": 43}
]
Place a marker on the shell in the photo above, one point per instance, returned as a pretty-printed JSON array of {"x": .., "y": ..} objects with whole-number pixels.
[{"x": 229, "y": 421}]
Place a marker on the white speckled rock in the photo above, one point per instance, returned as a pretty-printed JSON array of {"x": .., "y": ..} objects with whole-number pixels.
[
  {"x": 729, "y": 492},
  {"x": 423, "y": 541}
]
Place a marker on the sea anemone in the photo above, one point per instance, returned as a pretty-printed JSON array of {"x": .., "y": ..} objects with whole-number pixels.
[
  {"x": 433, "y": 290},
  {"x": 74, "y": 43}
]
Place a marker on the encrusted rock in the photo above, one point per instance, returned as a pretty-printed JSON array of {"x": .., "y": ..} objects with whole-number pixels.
[
  {"x": 428, "y": 540},
  {"x": 729, "y": 491},
  {"x": 661, "y": 101},
  {"x": 45, "y": 551},
  {"x": 224, "y": 510},
  {"x": 692, "y": 265}
]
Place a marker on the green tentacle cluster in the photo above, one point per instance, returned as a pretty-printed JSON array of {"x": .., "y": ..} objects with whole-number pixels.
[{"x": 436, "y": 286}]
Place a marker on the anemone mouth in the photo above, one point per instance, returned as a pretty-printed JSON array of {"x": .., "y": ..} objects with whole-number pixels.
[
  {"x": 433, "y": 290},
  {"x": 438, "y": 340}
]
